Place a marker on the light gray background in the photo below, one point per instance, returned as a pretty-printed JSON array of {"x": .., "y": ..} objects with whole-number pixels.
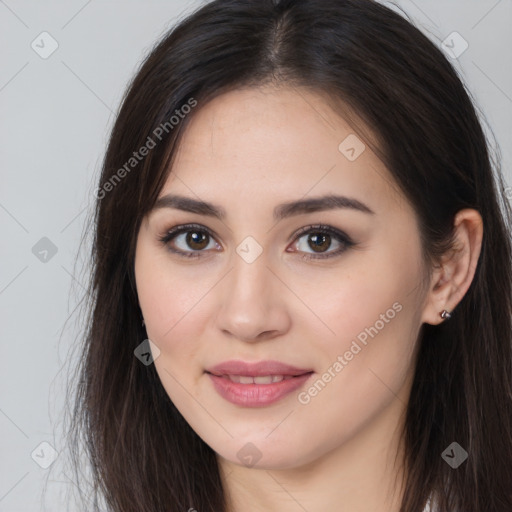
[{"x": 55, "y": 117}]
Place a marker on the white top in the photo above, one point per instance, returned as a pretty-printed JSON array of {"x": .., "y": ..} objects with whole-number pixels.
[{"x": 428, "y": 507}]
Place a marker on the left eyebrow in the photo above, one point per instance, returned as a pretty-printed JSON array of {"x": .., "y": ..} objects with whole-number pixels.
[
  {"x": 282, "y": 211},
  {"x": 318, "y": 204}
]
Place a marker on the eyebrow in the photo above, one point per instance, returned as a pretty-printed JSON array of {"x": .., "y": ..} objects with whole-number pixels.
[{"x": 282, "y": 211}]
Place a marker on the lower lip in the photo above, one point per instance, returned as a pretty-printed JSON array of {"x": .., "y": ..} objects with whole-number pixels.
[{"x": 256, "y": 395}]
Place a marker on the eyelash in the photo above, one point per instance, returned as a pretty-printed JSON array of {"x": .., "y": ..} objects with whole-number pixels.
[{"x": 314, "y": 229}]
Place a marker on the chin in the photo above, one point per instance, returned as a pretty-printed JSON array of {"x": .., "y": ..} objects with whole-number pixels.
[{"x": 264, "y": 454}]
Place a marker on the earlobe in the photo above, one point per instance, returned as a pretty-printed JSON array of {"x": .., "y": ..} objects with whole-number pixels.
[
  {"x": 438, "y": 303},
  {"x": 453, "y": 277}
]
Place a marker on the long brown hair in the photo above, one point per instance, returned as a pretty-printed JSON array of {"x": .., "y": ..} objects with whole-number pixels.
[{"x": 144, "y": 456}]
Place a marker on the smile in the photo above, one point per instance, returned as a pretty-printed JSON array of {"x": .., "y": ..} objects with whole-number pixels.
[
  {"x": 264, "y": 379},
  {"x": 257, "y": 391}
]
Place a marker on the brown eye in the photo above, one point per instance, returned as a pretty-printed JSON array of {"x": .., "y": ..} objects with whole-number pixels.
[
  {"x": 191, "y": 240},
  {"x": 188, "y": 241},
  {"x": 196, "y": 239},
  {"x": 319, "y": 239},
  {"x": 319, "y": 242}
]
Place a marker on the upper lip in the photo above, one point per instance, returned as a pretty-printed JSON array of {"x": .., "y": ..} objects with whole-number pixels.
[{"x": 257, "y": 369}]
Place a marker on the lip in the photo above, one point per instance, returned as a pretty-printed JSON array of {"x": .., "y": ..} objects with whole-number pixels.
[
  {"x": 256, "y": 395},
  {"x": 258, "y": 369}
]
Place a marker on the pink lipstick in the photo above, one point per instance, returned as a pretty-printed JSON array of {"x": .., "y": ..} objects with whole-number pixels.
[{"x": 256, "y": 384}]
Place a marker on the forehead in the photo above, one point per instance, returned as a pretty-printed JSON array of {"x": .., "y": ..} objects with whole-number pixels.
[
  {"x": 265, "y": 121},
  {"x": 276, "y": 144}
]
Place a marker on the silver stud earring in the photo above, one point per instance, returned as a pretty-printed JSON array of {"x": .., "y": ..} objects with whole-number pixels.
[
  {"x": 143, "y": 322},
  {"x": 445, "y": 314}
]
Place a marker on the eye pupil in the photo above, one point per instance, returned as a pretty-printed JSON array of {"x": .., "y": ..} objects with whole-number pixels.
[
  {"x": 197, "y": 237},
  {"x": 321, "y": 238}
]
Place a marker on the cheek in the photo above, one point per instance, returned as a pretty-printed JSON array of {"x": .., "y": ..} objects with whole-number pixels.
[
  {"x": 370, "y": 292},
  {"x": 171, "y": 310},
  {"x": 168, "y": 295},
  {"x": 369, "y": 327},
  {"x": 157, "y": 293},
  {"x": 367, "y": 363},
  {"x": 172, "y": 317}
]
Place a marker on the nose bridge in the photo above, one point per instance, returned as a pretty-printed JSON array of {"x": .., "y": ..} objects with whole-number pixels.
[
  {"x": 250, "y": 274},
  {"x": 249, "y": 304}
]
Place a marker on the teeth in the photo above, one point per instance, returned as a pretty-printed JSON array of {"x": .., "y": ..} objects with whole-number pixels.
[{"x": 264, "y": 379}]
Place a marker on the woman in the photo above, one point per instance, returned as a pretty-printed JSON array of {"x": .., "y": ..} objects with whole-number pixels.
[{"x": 302, "y": 279}]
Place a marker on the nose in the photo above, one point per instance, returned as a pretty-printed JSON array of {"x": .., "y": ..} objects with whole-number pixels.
[{"x": 252, "y": 302}]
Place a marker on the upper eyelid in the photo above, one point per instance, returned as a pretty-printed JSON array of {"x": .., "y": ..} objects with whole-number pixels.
[{"x": 183, "y": 228}]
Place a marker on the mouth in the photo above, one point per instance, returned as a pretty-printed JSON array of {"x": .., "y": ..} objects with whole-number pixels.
[
  {"x": 256, "y": 384},
  {"x": 260, "y": 379},
  {"x": 266, "y": 369}
]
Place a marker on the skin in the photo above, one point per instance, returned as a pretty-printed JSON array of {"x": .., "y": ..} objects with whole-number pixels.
[{"x": 248, "y": 151}]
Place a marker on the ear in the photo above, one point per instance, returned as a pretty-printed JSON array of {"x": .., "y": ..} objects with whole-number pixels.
[{"x": 452, "y": 278}]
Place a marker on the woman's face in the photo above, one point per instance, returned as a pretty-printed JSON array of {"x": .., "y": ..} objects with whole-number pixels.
[{"x": 342, "y": 305}]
